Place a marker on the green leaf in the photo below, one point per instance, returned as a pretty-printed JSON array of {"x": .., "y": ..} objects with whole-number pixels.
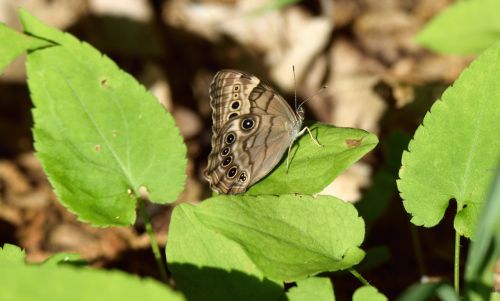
[
  {"x": 455, "y": 152},
  {"x": 99, "y": 135},
  {"x": 314, "y": 288},
  {"x": 11, "y": 254},
  {"x": 63, "y": 282},
  {"x": 291, "y": 236},
  {"x": 208, "y": 266},
  {"x": 14, "y": 44},
  {"x": 65, "y": 258},
  {"x": 312, "y": 168},
  {"x": 424, "y": 291},
  {"x": 485, "y": 250},
  {"x": 368, "y": 293},
  {"x": 466, "y": 27}
]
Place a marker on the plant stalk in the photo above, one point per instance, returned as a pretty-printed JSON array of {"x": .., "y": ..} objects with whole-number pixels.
[
  {"x": 359, "y": 277},
  {"x": 418, "y": 250},
  {"x": 456, "y": 274},
  {"x": 152, "y": 240}
]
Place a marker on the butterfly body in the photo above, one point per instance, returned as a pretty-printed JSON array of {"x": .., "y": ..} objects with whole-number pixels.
[{"x": 253, "y": 126}]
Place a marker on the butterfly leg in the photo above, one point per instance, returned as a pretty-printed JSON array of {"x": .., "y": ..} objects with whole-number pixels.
[
  {"x": 312, "y": 137},
  {"x": 288, "y": 158}
]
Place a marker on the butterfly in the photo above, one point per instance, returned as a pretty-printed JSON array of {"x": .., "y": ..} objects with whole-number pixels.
[{"x": 252, "y": 128}]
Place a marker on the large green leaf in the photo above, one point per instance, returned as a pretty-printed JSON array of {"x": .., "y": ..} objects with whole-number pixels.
[
  {"x": 14, "y": 44},
  {"x": 466, "y": 27},
  {"x": 314, "y": 288},
  {"x": 28, "y": 282},
  {"x": 208, "y": 266},
  {"x": 453, "y": 155},
  {"x": 99, "y": 135},
  {"x": 313, "y": 167},
  {"x": 291, "y": 236}
]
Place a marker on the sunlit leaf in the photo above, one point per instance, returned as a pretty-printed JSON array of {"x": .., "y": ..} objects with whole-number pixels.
[
  {"x": 454, "y": 153},
  {"x": 63, "y": 282},
  {"x": 209, "y": 266},
  {"x": 314, "y": 288},
  {"x": 312, "y": 168},
  {"x": 368, "y": 293},
  {"x": 466, "y": 27},
  {"x": 99, "y": 135},
  {"x": 291, "y": 236},
  {"x": 15, "y": 43}
]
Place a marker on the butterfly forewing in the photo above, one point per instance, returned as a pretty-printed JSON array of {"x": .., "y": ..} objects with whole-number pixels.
[{"x": 252, "y": 127}]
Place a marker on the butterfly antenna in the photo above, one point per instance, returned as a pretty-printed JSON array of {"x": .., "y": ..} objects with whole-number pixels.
[
  {"x": 294, "y": 86},
  {"x": 314, "y": 95}
]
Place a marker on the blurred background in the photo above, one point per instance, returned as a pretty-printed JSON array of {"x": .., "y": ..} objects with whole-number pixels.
[{"x": 378, "y": 80}]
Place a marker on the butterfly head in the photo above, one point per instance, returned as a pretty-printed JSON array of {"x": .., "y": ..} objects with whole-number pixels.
[{"x": 300, "y": 113}]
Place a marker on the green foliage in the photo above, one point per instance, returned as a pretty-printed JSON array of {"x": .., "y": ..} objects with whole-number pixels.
[
  {"x": 287, "y": 237},
  {"x": 63, "y": 282},
  {"x": 425, "y": 291},
  {"x": 208, "y": 266},
  {"x": 104, "y": 142},
  {"x": 11, "y": 254},
  {"x": 466, "y": 27},
  {"x": 368, "y": 293},
  {"x": 65, "y": 258},
  {"x": 17, "y": 44},
  {"x": 455, "y": 152},
  {"x": 314, "y": 288},
  {"x": 485, "y": 250},
  {"x": 312, "y": 167},
  {"x": 99, "y": 135}
]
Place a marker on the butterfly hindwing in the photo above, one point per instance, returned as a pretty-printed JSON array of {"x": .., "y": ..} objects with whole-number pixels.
[{"x": 243, "y": 154}]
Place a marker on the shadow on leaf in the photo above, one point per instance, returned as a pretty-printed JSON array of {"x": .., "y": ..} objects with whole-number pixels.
[{"x": 209, "y": 283}]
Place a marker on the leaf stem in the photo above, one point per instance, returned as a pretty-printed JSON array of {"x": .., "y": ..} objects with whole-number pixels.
[
  {"x": 152, "y": 240},
  {"x": 418, "y": 250},
  {"x": 456, "y": 274},
  {"x": 359, "y": 277}
]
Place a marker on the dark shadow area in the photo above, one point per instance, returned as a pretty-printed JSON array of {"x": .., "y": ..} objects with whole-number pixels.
[
  {"x": 135, "y": 261},
  {"x": 7, "y": 233},
  {"x": 15, "y": 119},
  {"x": 205, "y": 284}
]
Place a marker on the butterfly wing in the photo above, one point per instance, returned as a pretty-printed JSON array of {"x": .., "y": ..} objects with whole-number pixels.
[
  {"x": 250, "y": 138},
  {"x": 234, "y": 93},
  {"x": 240, "y": 157}
]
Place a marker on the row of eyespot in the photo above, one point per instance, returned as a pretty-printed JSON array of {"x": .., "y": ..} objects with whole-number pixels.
[{"x": 246, "y": 124}]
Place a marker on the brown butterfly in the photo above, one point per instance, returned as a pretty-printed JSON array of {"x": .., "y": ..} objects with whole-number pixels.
[{"x": 252, "y": 128}]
